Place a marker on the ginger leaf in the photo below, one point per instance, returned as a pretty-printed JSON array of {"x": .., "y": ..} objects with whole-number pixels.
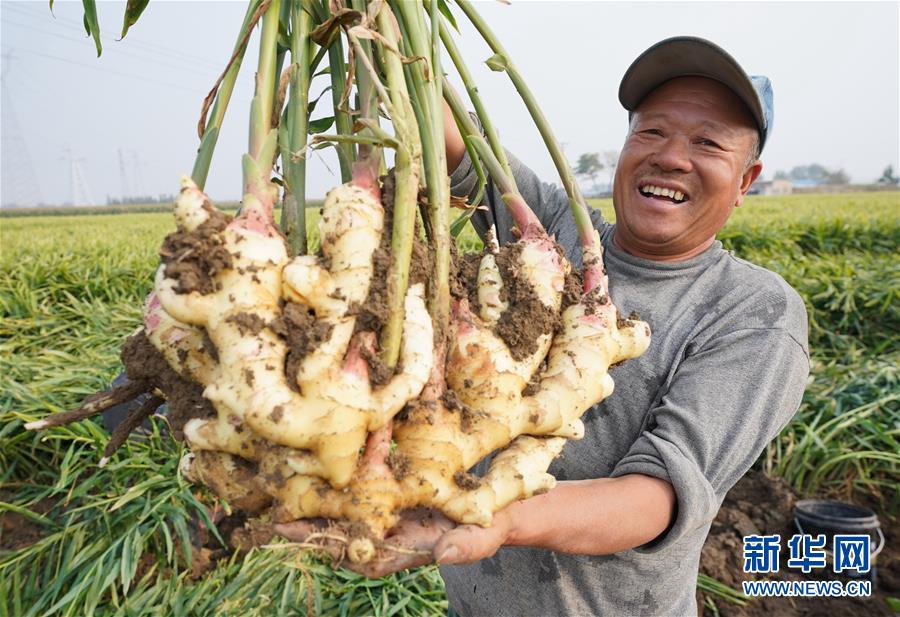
[
  {"x": 91, "y": 24},
  {"x": 133, "y": 11}
]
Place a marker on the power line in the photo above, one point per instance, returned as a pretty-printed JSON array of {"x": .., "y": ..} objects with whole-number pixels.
[
  {"x": 156, "y": 61},
  {"x": 65, "y": 22},
  {"x": 78, "y": 26},
  {"x": 109, "y": 71}
]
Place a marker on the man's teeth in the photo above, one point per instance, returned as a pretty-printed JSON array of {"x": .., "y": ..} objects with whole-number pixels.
[{"x": 650, "y": 189}]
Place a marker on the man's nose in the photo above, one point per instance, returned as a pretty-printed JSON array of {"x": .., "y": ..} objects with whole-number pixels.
[{"x": 673, "y": 154}]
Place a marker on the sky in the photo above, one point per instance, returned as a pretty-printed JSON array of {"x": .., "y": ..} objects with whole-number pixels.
[{"x": 128, "y": 119}]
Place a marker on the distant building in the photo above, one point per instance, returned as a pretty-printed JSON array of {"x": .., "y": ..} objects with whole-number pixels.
[
  {"x": 806, "y": 183},
  {"x": 772, "y": 187}
]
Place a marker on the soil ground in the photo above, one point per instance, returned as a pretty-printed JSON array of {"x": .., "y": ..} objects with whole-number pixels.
[
  {"x": 762, "y": 505},
  {"x": 17, "y": 531}
]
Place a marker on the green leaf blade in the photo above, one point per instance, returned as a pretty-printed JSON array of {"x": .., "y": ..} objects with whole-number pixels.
[
  {"x": 320, "y": 125},
  {"x": 92, "y": 24},
  {"x": 444, "y": 8},
  {"x": 497, "y": 62},
  {"x": 133, "y": 11}
]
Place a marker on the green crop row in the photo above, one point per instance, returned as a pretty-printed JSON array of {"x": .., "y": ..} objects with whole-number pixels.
[
  {"x": 851, "y": 296},
  {"x": 846, "y": 435}
]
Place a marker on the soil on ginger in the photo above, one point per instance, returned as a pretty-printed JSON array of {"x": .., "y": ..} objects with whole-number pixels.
[
  {"x": 298, "y": 326},
  {"x": 762, "y": 505},
  {"x": 465, "y": 279},
  {"x": 526, "y": 319},
  {"x": 194, "y": 258},
  {"x": 144, "y": 363},
  {"x": 573, "y": 290},
  {"x": 372, "y": 314}
]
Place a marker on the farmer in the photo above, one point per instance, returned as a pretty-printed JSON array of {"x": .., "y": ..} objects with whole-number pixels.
[{"x": 622, "y": 531}]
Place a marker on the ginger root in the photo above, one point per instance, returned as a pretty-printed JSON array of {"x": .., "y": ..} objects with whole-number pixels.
[
  {"x": 436, "y": 445},
  {"x": 302, "y": 433}
]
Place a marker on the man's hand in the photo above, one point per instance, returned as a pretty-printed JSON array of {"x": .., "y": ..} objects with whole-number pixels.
[
  {"x": 471, "y": 543},
  {"x": 409, "y": 544}
]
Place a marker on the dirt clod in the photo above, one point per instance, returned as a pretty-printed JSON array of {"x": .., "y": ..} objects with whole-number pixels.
[
  {"x": 251, "y": 534},
  {"x": 572, "y": 291},
  {"x": 247, "y": 323},
  {"x": 185, "y": 399},
  {"x": 420, "y": 266},
  {"x": 451, "y": 400},
  {"x": 534, "y": 384},
  {"x": 400, "y": 465},
  {"x": 373, "y": 313},
  {"x": 466, "y": 481},
  {"x": 209, "y": 347},
  {"x": 276, "y": 414},
  {"x": 303, "y": 333},
  {"x": 467, "y": 267},
  {"x": 379, "y": 372},
  {"x": 194, "y": 258},
  {"x": 527, "y": 318},
  {"x": 626, "y": 322}
]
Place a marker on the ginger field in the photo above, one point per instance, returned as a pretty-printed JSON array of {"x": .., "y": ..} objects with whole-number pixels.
[{"x": 134, "y": 538}]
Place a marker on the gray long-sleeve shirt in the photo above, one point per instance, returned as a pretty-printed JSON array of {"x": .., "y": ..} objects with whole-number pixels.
[{"x": 724, "y": 373}]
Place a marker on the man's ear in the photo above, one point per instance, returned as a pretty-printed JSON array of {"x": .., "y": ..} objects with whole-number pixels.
[{"x": 747, "y": 180}]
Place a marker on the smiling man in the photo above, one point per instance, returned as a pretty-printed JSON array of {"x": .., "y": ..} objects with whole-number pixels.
[
  {"x": 622, "y": 531},
  {"x": 690, "y": 156}
]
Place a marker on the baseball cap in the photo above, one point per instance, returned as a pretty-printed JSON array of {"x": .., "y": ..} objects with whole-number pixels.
[{"x": 684, "y": 56}]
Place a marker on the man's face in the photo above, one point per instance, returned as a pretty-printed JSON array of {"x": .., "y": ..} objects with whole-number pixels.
[{"x": 691, "y": 138}]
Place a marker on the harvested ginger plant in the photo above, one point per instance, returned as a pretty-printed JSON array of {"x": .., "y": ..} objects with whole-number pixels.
[{"x": 338, "y": 385}]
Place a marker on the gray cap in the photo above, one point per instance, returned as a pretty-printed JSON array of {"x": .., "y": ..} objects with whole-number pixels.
[{"x": 684, "y": 56}]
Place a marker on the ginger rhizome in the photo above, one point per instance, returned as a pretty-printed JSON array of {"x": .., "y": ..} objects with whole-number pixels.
[{"x": 338, "y": 385}]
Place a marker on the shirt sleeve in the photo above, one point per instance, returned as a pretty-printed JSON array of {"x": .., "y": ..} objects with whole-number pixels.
[
  {"x": 726, "y": 401},
  {"x": 548, "y": 201}
]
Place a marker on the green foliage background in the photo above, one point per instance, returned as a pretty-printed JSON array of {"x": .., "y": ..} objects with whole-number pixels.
[{"x": 115, "y": 541}]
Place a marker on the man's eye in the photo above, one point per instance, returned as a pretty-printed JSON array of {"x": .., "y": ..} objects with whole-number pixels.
[
  {"x": 708, "y": 142},
  {"x": 650, "y": 132}
]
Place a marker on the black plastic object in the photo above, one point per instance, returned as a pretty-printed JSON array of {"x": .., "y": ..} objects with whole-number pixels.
[{"x": 830, "y": 517}]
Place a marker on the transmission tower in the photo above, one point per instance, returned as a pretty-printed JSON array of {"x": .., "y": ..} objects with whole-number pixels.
[
  {"x": 17, "y": 177},
  {"x": 79, "y": 192},
  {"x": 125, "y": 192}
]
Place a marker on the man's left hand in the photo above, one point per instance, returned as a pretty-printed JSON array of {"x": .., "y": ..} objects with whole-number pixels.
[{"x": 409, "y": 544}]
